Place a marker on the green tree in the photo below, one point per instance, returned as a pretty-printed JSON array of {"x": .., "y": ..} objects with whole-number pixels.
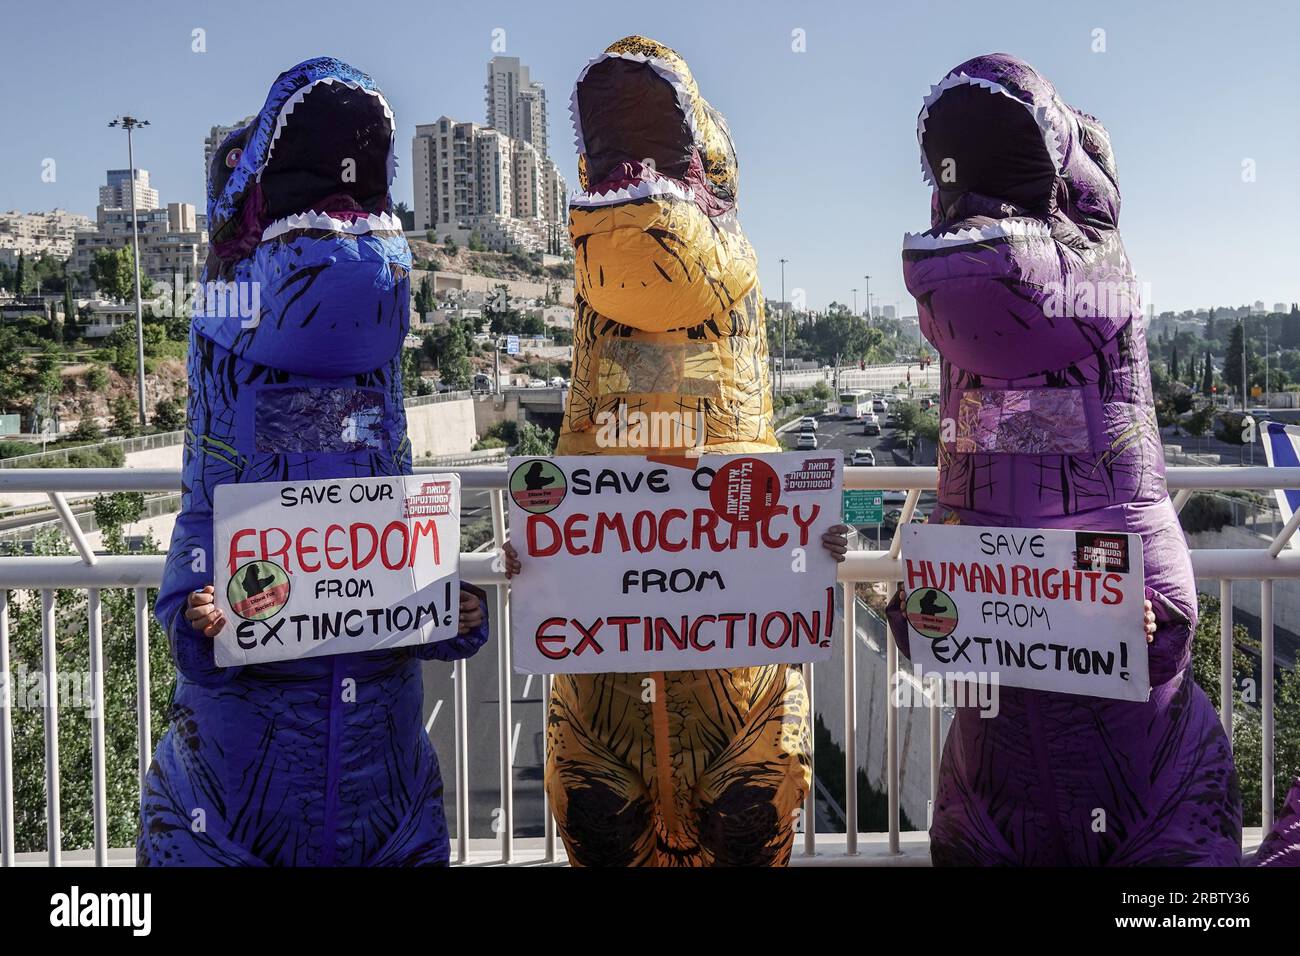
[
  {"x": 125, "y": 415},
  {"x": 43, "y": 377},
  {"x": 87, "y": 429},
  {"x": 454, "y": 368},
  {"x": 111, "y": 272},
  {"x": 1232, "y": 361},
  {"x": 13, "y": 371},
  {"x": 20, "y": 276},
  {"x": 908, "y": 416},
  {"x": 424, "y": 298},
  {"x": 1173, "y": 361},
  {"x": 168, "y": 415},
  {"x": 534, "y": 440},
  {"x": 69, "y": 309},
  {"x": 407, "y": 215},
  {"x": 840, "y": 336},
  {"x": 114, "y": 510},
  {"x": 1199, "y": 422},
  {"x": 1207, "y": 376}
]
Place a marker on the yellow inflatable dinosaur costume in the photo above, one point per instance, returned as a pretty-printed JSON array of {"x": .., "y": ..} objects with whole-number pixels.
[{"x": 686, "y": 768}]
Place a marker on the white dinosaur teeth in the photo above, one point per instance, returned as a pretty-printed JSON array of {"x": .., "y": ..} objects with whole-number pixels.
[
  {"x": 381, "y": 222},
  {"x": 642, "y": 189},
  {"x": 1014, "y": 228}
]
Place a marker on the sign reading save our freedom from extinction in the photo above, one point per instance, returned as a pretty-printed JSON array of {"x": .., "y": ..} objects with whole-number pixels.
[
  {"x": 646, "y": 564},
  {"x": 334, "y": 566},
  {"x": 1049, "y": 610}
]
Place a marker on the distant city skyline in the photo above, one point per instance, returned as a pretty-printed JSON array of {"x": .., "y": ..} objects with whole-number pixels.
[{"x": 821, "y": 100}]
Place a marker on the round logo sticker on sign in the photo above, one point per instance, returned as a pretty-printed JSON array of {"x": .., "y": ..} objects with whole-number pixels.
[
  {"x": 745, "y": 492},
  {"x": 931, "y": 613},
  {"x": 258, "y": 590},
  {"x": 538, "y": 486}
]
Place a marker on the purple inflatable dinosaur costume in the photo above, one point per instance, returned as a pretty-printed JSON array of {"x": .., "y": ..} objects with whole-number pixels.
[{"x": 1023, "y": 286}]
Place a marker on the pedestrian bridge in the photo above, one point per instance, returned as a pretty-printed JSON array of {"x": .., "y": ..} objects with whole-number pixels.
[{"x": 841, "y": 680}]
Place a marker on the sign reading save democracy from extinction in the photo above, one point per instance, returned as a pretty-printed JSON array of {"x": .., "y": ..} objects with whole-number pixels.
[
  {"x": 334, "y": 566},
  {"x": 652, "y": 564},
  {"x": 1049, "y": 610}
]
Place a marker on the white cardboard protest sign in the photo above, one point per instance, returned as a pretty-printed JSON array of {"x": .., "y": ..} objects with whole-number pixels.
[
  {"x": 335, "y": 566},
  {"x": 641, "y": 564},
  {"x": 1049, "y": 610}
]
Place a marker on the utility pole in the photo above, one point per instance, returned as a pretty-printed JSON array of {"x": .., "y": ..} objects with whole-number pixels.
[
  {"x": 130, "y": 124},
  {"x": 1245, "y": 381},
  {"x": 855, "y": 301},
  {"x": 1266, "y": 361},
  {"x": 785, "y": 322},
  {"x": 868, "y": 287}
]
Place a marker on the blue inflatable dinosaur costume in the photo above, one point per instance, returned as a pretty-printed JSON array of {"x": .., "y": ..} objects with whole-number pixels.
[{"x": 294, "y": 368}]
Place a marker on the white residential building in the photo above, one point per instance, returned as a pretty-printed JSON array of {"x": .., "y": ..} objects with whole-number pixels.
[
  {"x": 116, "y": 193},
  {"x": 516, "y": 105},
  {"x": 172, "y": 244},
  {"x": 471, "y": 180},
  {"x": 37, "y": 234}
]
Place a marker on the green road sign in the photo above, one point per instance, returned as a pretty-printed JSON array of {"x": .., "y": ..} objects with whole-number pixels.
[{"x": 864, "y": 507}]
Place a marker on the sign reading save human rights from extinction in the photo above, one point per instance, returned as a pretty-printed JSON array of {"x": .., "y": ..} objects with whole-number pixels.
[
  {"x": 1049, "y": 610},
  {"x": 645, "y": 564},
  {"x": 334, "y": 566}
]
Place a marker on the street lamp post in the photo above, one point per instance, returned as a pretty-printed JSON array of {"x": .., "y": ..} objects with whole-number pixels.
[
  {"x": 130, "y": 124},
  {"x": 868, "y": 287},
  {"x": 785, "y": 322},
  {"x": 855, "y": 302}
]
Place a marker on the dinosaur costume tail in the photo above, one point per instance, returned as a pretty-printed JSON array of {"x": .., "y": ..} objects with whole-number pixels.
[{"x": 690, "y": 768}]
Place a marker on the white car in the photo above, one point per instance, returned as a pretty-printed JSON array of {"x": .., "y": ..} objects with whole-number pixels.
[
  {"x": 558, "y": 382},
  {"x": 808, "y": 424},
  {"x": 863, "y": 457},
  {"x": 807, "y": 441}
]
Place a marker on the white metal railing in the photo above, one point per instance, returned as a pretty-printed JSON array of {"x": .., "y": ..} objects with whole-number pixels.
[{"x": 92, "y": 573}]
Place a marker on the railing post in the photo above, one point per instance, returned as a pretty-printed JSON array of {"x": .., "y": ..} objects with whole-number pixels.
[
  {"x": 850, "y": 720},
  {"x": 1266, "y": 699},
  {"x": 505, "y": 711},
  {"x": 1226, "y": 682},
  {"x": 935, "y": 700},
  {"x": 891, "y": 734},
  {"x": 144, "y": 727},
  {"x": 548, "y": 818},
  {"x": 99, "y": 795},
  {"x": 7, "y": 704},
  {"x": 50, "y": 674},
  {"x": 810, "y": 801},
  {"x": 461, "y": 711}
]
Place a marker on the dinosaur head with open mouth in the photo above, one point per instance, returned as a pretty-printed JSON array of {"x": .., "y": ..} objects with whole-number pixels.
[
  {"x": 1024, "y": 222},
  {"x": 298, "y": 203},
  {"x": 654, "y": 223}
]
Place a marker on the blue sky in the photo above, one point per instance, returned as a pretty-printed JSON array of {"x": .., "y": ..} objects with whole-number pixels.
[{"x": 829, "y": 170}]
